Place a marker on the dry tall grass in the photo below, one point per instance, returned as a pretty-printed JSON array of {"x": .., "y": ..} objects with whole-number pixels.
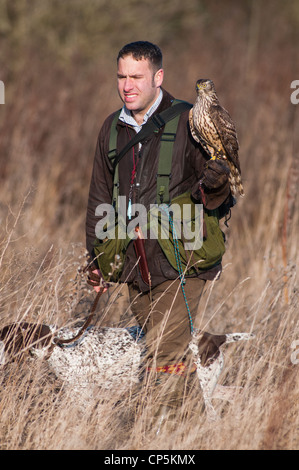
[{"x": 57, "y": 66}]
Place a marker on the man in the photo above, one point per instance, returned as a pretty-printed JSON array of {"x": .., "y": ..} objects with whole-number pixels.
[{"x": 165, "y": 304}]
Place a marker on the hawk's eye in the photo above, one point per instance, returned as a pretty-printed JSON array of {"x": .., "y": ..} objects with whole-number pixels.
[{"x": 204, "y": 85}]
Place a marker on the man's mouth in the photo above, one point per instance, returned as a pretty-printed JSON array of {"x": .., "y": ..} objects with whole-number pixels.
[{"x": 130, "y": 96}]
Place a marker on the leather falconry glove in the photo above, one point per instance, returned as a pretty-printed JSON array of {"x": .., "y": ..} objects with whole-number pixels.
[{"x": 215, "y": 174}]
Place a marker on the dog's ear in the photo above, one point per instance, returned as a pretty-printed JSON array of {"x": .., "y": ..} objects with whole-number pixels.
[
  {"x": 18, "y": 336},
  {"x": 208, "y": 347},
  {"x": 39, "y": 334},
  {"x": 11, "y": 336}
]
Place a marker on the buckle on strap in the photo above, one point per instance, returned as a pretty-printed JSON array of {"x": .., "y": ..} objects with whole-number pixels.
[
  {"x": 168, "y": 137},
  {"x": 158, "y": 121},
  {"x": 163, "y": 175},
  {"x": 112, "y": 154}
]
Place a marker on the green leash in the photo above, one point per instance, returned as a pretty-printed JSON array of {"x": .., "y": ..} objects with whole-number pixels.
[{"x": 179, "y": 264}]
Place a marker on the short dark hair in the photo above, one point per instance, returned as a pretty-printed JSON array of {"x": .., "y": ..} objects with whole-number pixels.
[{"x": 143, "y": 50}]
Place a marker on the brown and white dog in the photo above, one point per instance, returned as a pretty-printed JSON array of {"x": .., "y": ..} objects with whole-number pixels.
[{"x": 110, "y": 358}]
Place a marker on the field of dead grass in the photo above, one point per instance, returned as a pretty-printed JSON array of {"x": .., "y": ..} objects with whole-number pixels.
[{"x": 54, "y": 107}]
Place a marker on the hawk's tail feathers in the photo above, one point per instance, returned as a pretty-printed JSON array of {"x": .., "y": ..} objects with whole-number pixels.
[{"x": 235, "y": 181}]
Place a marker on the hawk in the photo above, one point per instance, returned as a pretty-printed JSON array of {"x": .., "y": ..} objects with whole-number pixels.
[{"x": 212, "y": 126}]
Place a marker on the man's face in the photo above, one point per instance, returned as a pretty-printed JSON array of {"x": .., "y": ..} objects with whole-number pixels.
[{"x": 138, "y": 85}]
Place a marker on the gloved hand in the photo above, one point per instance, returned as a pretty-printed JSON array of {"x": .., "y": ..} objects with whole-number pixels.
[
  {"x": 96, "y": 280},
  {"x": 215, "y": 174}
]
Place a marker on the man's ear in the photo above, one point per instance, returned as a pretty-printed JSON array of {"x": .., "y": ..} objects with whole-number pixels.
[{"x": 158, "y": 78}]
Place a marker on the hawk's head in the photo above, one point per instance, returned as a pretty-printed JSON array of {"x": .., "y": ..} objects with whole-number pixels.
[{"x": 205, "y": 86}]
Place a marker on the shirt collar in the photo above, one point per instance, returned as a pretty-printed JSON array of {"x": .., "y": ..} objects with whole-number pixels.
[{"x": 127, "y": 117}]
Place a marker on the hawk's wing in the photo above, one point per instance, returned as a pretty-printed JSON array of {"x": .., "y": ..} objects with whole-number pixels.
[
  {"x": 227, "y": 132},
  {"x": 192, "y": 128}
]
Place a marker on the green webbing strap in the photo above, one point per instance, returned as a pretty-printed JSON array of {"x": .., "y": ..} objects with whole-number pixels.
[{"x": 165, "y": 160}]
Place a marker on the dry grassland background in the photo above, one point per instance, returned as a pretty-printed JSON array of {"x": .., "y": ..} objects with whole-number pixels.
[{"x": 57, "y": 61}]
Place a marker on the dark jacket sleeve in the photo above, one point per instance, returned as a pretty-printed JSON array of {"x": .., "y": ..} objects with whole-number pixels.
[{"x": 101, "y": 184}]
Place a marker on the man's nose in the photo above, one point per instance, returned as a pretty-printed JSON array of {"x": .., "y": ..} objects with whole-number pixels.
[{"x": 128, "y": 85}]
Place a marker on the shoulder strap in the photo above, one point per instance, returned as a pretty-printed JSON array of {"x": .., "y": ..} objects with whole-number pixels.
[{"x": 154, "y": 124}]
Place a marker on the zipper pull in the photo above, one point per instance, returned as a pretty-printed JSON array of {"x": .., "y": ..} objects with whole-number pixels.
[{"x": 129, "y": 212}]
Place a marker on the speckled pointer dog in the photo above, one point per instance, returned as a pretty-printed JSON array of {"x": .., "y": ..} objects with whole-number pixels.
[{"x": 110, "y": 357}]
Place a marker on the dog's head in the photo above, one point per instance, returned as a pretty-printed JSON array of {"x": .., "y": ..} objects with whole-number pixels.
[{"x": 206, "y": 346}]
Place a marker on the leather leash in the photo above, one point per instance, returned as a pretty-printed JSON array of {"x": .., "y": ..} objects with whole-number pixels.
[{"x": 60, "y": 341}]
